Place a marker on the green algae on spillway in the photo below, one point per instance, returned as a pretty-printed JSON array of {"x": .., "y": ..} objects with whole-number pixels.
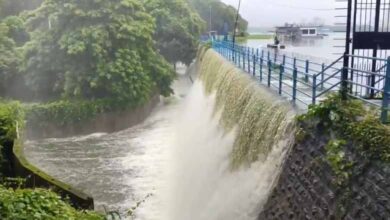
[{"x": 261, "y": 120}]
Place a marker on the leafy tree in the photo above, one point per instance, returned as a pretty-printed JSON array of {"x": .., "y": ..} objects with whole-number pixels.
[
  {"x": 9, "y": 57},
  {"x": 178, "y": 29},
  {"x": 223, "y": 17},
  {"x": 95, "y": 49}
]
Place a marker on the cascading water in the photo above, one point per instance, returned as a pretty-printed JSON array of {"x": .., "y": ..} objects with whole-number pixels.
[{"x": 212, "y": 155}]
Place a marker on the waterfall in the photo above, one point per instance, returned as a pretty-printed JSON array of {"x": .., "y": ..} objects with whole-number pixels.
[
  {"x": 232, "y": 136},
  {"x": 210, "y": 153}
]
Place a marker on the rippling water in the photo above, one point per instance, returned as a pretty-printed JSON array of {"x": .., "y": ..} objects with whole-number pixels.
[
  {"x": 118, "y": 169},
  {"x": 173, "y": 166}
]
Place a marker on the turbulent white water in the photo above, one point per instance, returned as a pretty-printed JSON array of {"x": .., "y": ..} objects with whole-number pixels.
[{"x": 174, "y": 166}]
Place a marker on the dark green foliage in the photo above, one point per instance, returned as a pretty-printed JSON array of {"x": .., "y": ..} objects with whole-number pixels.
[
  {"x": 356, "y": 140},
  {"x": 70, "y": 112},
  {"x": 11, "y": 119},
  {"x": 9, "y": 55},
  {"x": 221, "y": 15},
  {"x": 351, "y": 120},
  {"x": 22, "y": 204},
  {"x": 26, "y": 204},
  {"x": 339, "y": 161},
  {"x": 178, "y": 29},
  {"x": 95, "y": 49}
]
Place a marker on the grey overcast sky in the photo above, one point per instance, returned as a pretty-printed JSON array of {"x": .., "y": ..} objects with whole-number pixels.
[{"x": 267, "y": 13}]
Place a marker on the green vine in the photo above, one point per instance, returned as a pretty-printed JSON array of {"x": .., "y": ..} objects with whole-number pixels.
[
  {"x": 338, "y": 159},
  {"x": 351, "y": 120}
]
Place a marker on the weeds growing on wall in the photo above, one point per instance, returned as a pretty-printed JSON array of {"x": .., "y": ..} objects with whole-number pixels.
[
  {"x": 356, "y": 139},
  {"x": 351, "y": 120}
]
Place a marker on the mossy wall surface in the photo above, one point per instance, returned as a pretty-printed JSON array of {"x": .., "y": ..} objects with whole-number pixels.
[
  {"x": 35, "y": 178},
  {"x": 306, "y": 188},
  {"x": 103, "y": 122},
  {"x": 338, "y": 167}
]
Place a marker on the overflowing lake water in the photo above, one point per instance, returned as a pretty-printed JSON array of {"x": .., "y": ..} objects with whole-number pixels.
[
  {"x": 322, "y": 50},
  {"x": 176, "y": 165}
]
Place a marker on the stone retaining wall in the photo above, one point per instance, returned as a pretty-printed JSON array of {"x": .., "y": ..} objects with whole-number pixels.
[{"x": 307, "y": 190}]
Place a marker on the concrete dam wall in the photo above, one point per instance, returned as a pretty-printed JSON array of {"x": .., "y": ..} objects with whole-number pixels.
[{"x": 307, "y": 184}]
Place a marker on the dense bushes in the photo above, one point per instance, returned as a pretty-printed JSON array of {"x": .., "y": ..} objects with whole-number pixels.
[
  {"x": 69, "y": 112},
  {"x": 27, "y": 203},
  {"x": 94, "y": 50},
  {"x": 21, "y": 204},
  {"x": 356, "y": 136},
  {"x": 351, "y": 120},
  {"x": 11, "y": 119}
]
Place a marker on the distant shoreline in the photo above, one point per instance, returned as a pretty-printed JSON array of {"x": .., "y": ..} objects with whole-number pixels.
[{"x": 253, "y": 36}]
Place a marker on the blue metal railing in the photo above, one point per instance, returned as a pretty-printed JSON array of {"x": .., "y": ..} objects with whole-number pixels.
[{"x": 306, "y": 82}]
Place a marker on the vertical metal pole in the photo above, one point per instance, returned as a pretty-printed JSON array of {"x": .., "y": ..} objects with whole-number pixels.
[
  {"x": 344, "y": 77},
  {"x": 236, "y": 22},
  {"x": 254, "y": 65},
  {"x": 353, "y": 49},
  {"x": 243, "y": 59},
  {"x": 261, "y": 69},
  {"x": 322, "y": 75},
  {"x": 295, "y": 75},
  {"x": 281, "y": 79},
  {"x": 269, "y": 73},
  {"x": 268, "y": 56},
  {"x": 239, "y": 59},
  {"x": 314, "y": 94},
  {"x": 284, "y": 60},
  {"x": 375, "y": 52},
  {"x": 249, "y": 60},
  {"x": 307, "y": 71},
  {"x": 386, "y": 95},
  {"x": 275, "y": 57}
]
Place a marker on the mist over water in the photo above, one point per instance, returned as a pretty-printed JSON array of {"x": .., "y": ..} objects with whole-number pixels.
[
  {"x": 174, "y": 166},
  {"x": 204, "y": 186}
]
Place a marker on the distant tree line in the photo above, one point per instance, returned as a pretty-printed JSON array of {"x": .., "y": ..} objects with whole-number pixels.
[{"x": 221, "y": 15}]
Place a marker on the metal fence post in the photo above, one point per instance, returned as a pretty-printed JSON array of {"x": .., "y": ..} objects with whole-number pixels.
[
  {"x": 236, "y": 54},
  {"x": 239, "y": 58},
  {"x": 295, "y": 63},
  {"x": 269, "y": 73},
  {"x": 268, "y": 56},
  {"x": 254, "y": 65},
  {"x": 314, "y": 94},
  {"x": 281, "y": 79},
  {"x": 295, "y": 75},
  {"x": 307, "y": 71},
  {"x": 249, "y": 61},
  {"x": 275, "y": 57},
  {"x": 243, "y": 59},
  {"x": 322, "y": 76},
  {"x": 284, "y": 60},
  {"x": 386, "y": 95},
  {"x": 261, "y": 69}
]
